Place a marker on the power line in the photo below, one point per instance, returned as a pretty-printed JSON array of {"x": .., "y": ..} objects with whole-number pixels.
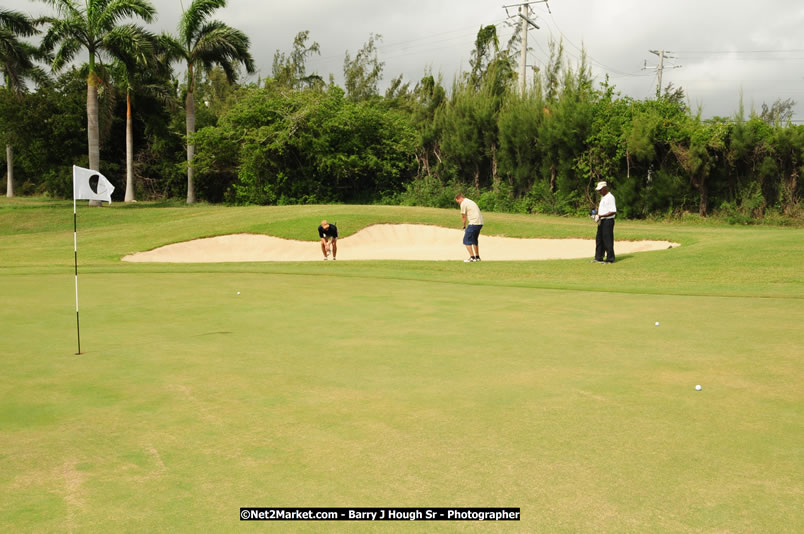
[
  {"x": 739, "y": 80},
  {"x": 464, "y": 31},
  {"x": 654, "y": 77},
  {"x": 422, "y": 48},
  {"x": 781, "y": 51},
  {"x": 418, "y": 42},
  {"x": 591, "y": 59},
  {"x": 546, "y": 55}
]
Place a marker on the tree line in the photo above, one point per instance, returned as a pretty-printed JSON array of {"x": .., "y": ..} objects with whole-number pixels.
[{"x": 295, "y": 137}]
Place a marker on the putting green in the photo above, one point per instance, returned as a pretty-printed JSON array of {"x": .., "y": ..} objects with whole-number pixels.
[{"x": 547, "y": 387}]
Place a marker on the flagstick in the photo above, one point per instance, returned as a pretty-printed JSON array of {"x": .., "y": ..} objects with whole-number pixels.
[
  {"x": 75, "y": 248},
  {"x": 88, "y": 184}
]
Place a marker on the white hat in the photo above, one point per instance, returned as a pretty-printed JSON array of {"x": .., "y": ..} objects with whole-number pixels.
[{"x": 601, "y": 185}]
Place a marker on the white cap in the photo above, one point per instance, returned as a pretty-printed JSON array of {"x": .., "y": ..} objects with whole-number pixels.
[{"x": 601, "y": 185}]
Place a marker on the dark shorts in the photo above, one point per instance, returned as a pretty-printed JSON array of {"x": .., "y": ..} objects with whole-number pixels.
[{"x": 471, "y": 234}]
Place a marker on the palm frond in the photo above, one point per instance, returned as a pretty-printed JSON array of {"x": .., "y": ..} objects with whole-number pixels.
[
  {"x": 17, "y": 23},
  {"x": 222, "y": 44},
  {"x": 116, "y": 10},
  {"x": 163, "y": 94},
  {"x": 37, "y": 53},
  {"x": 34, "y": 53},
  {"x": 170, "y": 49},
  {"x": 66, "y": 8},
  {"x": 36, "y": 74},
  {"x": 194, "y": 17},
  {"x": 17, "y": 61},
  {"x": 66, "y": 52},
  {"x": 40, "y": 77},
  {"x": 11, "y": 48},
  {"x": 131, "y": 45},
  {"x": 16, "y": 56},
  {"x": 62, "y": 30}
]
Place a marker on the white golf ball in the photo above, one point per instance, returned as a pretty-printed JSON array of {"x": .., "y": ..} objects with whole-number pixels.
[
  {"x": 238, "y": 292},
  {"x": 657, "y": 323},
  {"x": 698, "y": 387}
]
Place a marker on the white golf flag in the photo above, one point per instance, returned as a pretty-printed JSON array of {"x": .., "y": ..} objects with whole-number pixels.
[{"x": 91, "y": 185}]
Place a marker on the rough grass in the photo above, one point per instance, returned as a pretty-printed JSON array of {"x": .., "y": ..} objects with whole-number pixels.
[{"x": 543, "y": 385}]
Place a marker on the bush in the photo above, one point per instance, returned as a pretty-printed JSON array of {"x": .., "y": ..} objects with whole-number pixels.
[
  {"x": 501, "y": 200},
  {"x": 750, "y": 209},
  {"x": 733, "y": 214},
  {"x": 541, "y": 200},
  {"x": 428, "y": 191}
]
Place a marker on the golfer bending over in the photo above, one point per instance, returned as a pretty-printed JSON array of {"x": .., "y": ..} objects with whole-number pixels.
[
  {"x": 470, "y": 213},
  {"x": 329, "y": 239}
]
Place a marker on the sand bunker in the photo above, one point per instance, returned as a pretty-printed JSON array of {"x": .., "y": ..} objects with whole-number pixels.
[{"x": 383, "y": 242}]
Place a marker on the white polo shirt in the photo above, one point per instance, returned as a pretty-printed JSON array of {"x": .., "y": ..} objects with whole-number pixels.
[
  {"x": 472, "y": 212},
  {"x": 607, "y": 204}
]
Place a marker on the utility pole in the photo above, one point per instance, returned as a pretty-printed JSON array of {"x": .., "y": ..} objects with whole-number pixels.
[
  {"x": 523, "y": 53},
  {"x": 659, "y": 68},
  {"x": 523, "y": 12}
]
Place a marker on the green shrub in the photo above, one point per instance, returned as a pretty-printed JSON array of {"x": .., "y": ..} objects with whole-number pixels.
[{"x": 429, "y": 191}]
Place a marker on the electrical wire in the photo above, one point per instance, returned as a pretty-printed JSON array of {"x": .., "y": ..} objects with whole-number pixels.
[
  {"x": 410, "y": 47},
  {"x": 707, "y": 52},
  {"x": 582, "y": 51}
]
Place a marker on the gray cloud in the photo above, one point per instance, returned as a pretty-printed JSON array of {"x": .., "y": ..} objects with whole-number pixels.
[{"x": 765, "y": 63}]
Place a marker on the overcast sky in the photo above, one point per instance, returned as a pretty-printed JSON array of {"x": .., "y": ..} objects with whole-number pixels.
[{"x": 723, "y": 47}]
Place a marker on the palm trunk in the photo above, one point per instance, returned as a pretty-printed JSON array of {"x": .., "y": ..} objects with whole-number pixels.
[
  {"x": 93, "y": 133},
  {"x": 190, "y": 121},
  {"x": 129, "y": 151},
  {"x": 10, "y": 171}
]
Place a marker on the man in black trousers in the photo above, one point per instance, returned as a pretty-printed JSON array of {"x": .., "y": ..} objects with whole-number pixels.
[{"x": 606, "y": 212}]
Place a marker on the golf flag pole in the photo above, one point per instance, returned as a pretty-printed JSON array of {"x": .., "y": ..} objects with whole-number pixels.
[
  {"x": 75, "y": 249},
  {"x": 87, "y": 185}
]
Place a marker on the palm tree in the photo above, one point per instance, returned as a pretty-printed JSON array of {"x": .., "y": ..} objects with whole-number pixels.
[
  {"x": 17, "y": 63},
  {"x": 150, "y": 80},
  {"x": 205, "y": 43},
  {"x": 93, "y": 26},
  {"x": 139, "y": 67}
]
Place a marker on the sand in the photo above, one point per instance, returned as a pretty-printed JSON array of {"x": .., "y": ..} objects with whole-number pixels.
[{"x": 383, "y": 242}]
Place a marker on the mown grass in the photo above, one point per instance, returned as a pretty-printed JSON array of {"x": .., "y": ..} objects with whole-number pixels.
[
  {"x": 726, "y": 261},
  {"x": 543, "y": 385}
]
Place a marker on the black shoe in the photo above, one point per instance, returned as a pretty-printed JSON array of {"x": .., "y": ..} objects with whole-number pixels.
[{"x": 477, "y": 258}]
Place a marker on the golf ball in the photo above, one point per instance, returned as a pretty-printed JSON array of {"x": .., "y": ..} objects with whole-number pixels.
[
  {"x": 238, "y": 292},
  {"x": 657, "y": 323},
  {"x": 698, "y": 387}
]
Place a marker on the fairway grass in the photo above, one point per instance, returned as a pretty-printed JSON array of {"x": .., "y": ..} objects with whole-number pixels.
[{"x": 539, "y": 385}]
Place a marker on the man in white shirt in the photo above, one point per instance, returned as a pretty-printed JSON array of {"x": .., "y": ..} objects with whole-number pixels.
[
  {"x": 470, "y": 213},
  {"x": 606, "y": 212}
]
